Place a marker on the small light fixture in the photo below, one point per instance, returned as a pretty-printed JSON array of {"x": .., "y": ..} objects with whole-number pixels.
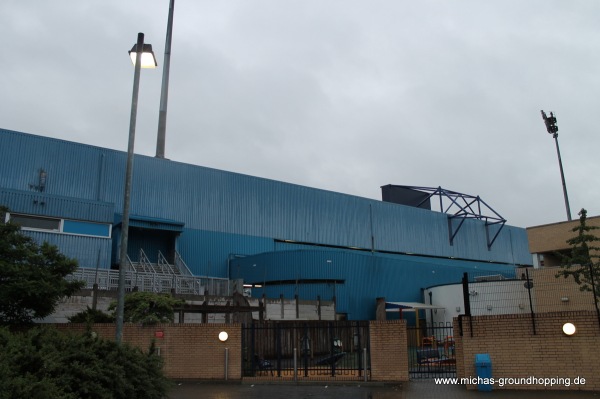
[
  {"x": 489, "y": 307},
  {"x": 565, "y": 299},
  {"x": 569, "y": 329},
  {"x": 148, "y": 58},
  {"x": 42, "y": 180},
  {"x": 223, "y": 336},
  {"x": 458, "y": 308}
]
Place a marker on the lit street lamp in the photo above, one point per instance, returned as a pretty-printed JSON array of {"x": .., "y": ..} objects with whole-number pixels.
[
  {"x": 553, "y": 130},
  {"x": 142, "y": 57}
]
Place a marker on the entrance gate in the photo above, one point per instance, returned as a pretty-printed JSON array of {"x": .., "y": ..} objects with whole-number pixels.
[
  {"x": 431, "y": 351},
  {"x": 306, "y": 350}
]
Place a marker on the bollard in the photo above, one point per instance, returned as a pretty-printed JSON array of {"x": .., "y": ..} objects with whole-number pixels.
[
  {"x": 365, "y": 363},
  {"x": 295, "y": 364},
  {"x": 226, "y": 362}
]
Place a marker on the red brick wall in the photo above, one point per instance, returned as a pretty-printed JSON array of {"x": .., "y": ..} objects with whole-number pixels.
[
  {"x": 194, "y": 351},
  {"x": 389, "y": 351},
  {"x": 516, "y": 353},
  {"x": 189, "y": 350}
]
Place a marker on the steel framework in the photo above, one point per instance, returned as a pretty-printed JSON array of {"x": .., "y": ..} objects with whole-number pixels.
[{"x": 461, "y": 207}]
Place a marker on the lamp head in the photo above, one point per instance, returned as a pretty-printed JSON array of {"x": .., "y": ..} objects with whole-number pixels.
[{"x": 148, "y": 58}]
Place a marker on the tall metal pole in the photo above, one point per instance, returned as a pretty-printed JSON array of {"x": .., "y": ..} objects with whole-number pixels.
[
  {"x": 562, "y": 177},
  {"x": 164, "y": 93},
  {"x": 550, "y": 122},
  {"x": 127, "y": 195}
]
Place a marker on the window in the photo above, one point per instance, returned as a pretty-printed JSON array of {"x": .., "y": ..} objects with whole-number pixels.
[
  {"x": 36, "y": 222},
  {"x": 56, "y": 225}
]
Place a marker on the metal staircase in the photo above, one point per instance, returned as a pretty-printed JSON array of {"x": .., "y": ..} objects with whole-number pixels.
[{"x": 162, "y": 266}]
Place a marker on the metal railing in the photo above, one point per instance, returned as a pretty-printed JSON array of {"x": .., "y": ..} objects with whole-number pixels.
[
  {"x": 152, "y": 282},
  {"x": 144, "y": 264},
  {"x": 164, "y": 266},
  {"x": 181, "y": 265}
]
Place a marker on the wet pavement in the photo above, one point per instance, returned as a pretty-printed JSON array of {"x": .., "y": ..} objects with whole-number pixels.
[{"x": 421, "y": 389}]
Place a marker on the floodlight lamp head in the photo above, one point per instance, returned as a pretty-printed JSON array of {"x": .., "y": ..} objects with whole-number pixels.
[{"x": 148, "y": 58}]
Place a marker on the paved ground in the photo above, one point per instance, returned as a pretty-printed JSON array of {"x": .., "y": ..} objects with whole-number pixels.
[{"x": 423, "y": 389}]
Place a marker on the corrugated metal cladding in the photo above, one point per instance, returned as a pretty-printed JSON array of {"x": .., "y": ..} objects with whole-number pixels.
[
  {"x": 90, "y": 252},
  {"x": 219, "y": 201},
  {"x": 208, "y": 253},
  {"x": 365, "y": 277},
  {"x": 36, "y": 203}
]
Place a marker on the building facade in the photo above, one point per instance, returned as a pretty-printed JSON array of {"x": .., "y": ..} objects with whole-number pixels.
[{"x": 281, "y": 239}]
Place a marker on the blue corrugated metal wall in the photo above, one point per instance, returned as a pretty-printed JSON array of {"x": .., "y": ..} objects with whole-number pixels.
[
  {"x": 365, "y": 277},
  {"x": 214, "y": 200},
  {"x": 228, "y": 216},
  {"x": 90, "y": 252}
]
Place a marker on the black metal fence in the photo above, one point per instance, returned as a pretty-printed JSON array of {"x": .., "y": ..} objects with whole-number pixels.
[
  {"x": 526, "y": 291},
  {"x": 431, "y": 351},
  {"x": 301, "y": 350}
]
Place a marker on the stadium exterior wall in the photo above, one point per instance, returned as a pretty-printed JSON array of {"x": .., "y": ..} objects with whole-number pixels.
[{"x": 222, "y": 221}]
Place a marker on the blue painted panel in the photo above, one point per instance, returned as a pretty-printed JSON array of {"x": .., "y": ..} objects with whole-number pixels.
[
  {"x": 90, "y": 252},
  {"x": 240, "y": 205},
  {"x": 33, "y": 203},
  {"x": 207, "y": 253},
  {"x": 86, "y": 228},
  {"x": 365, "y": 277}
]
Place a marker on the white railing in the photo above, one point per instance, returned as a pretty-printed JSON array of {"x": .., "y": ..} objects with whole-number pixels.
[
  {"x": 164, "y": 265},
  {"x": 144, "y": 263},
  {"x": 181, "y": 265},
  {"x": 153, "y": 282}
]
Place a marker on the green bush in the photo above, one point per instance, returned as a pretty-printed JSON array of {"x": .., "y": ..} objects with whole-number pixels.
[
  {"x": 91, "y": 316},
  {"x": 45, "y": 363},
  {"x": 148, "y": 308}
]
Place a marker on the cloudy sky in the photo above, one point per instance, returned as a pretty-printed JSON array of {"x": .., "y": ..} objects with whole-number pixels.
[{"x": 343, "y": 95}]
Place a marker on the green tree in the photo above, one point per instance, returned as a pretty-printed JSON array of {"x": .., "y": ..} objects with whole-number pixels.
[
  {"x": 148, "y": 308},
  {"x": 47, "y": 364},
  {"x": 580, "y": 264},
  {"x": 32, "y": 276}
]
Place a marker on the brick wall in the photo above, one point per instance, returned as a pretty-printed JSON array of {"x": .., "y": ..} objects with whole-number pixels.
[
  {"x": 193, "y": 351},
  {"x": 516, "y": 353},
  {"x": 553, "y": 237},
  {"x": 389, "y": 351},
  {"x": 189, "y": 350}
]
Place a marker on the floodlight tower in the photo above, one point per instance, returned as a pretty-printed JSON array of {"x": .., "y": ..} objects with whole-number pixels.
[{"x": 553, "y": 130}]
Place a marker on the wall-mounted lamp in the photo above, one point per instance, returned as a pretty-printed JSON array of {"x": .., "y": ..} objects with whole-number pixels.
[
  {"x": 458, "y": 308},
  {"x": 569, "y": 329},
  {"x": 473, "y": 293},
  {"x": 521, "y": 306},
  {"x": 41, "y": 186},
  {"x": 43, "y": 176},
  {"x": 564, "y": 299},
  {"x": 489, "y": 307},
  {"x": 223, "y": 336}
]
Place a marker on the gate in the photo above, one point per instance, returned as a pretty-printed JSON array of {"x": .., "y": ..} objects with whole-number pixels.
[
  {"x": 431, "y": 351},
  {"x": 306, "y": 350}
]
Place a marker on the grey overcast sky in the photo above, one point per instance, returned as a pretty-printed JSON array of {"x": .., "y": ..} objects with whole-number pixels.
[{"x": 342, "y": 95}]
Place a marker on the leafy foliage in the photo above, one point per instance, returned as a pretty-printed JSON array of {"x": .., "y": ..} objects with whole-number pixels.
[
  {"x": 32, "y": 277},
  {"x": 91, "y": 316},
  {"x": 45, "y": 363},
  {"x": 580, "y": 264},
  {"x": 148, "y": 308}
]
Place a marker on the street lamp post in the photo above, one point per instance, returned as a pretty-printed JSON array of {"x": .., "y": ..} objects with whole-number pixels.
[
  {"x": 142, "y": 57},
  {"x": 553, "y": 130}
]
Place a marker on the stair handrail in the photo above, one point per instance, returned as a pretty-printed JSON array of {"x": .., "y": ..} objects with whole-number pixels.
[
  {"x": 181, "y": 265},
  {"x": 164, "y": 264},
  {"x": 145, "y": 262}
]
